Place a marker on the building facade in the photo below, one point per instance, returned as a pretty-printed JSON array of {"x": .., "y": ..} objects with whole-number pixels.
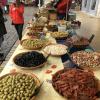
[{"x": 91, "y": 7}]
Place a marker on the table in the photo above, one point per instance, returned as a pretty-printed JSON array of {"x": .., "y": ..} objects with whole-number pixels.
[{"x": 47, "y": 91}]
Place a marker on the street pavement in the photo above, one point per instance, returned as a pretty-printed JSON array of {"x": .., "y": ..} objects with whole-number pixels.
[{"x": 11, "y": 37}]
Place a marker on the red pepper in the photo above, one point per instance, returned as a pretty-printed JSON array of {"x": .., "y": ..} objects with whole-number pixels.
[
  {"x": 48, "y": 71},
  {"x": 13, "y": 71},
  {"x": 53, "y": 66}
]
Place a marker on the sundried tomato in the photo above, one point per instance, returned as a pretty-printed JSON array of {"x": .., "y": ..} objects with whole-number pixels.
[
  {"x": 54, "y": 66},
  {"x": 48, "y": 71}
]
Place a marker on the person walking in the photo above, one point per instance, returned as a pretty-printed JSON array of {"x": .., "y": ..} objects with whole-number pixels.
[
  {"x": 2, "y": 29},
  {"x": 16, "y": 12}
]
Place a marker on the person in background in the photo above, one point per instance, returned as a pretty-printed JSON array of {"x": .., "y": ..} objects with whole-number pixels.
[
  {"x": 16, "y": 12},
  {"x": 37, "y": 2},
  {"x": 2, "y": 28},
  {"x": 62, "y": 7}
]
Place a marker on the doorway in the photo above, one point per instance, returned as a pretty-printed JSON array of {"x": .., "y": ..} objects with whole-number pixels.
[
  {"x": 85, "y": 5},
  {"x": 93, "y": 7},
  {"x": 90, "y": 6}
]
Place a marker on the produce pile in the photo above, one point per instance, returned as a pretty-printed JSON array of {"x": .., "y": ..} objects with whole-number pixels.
[
  {"x": 58, "y": 35},
  {"x": 81, "y": 41},
  {"x": 56, "y": 49},
  {"x": 34, "y": 34},
  {"x": 37, "y": 25},
  {"x": 32, "y": 29},
  {"x": 86, "y": 59},
  {"x": 32, "y": 43},
  {"x": 17, "y": 87},
  {"x": 75, "y": 84},
  {"x": 77, "y": 41},
  {"x": 29, "y": 59}
]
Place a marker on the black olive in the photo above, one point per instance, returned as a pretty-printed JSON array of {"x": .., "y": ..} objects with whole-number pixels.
[{"x": 30, "y": 59}]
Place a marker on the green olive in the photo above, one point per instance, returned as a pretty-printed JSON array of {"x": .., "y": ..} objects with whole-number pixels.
[{"x": 20, "y": 87}]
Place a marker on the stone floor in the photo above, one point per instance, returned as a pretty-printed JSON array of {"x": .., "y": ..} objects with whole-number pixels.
[{"x": 90, "y": 25}]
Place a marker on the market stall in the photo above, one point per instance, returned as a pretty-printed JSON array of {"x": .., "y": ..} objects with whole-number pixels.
[
  {"x": 40, "y": 55},
  {"x": 42, "y": 74}
]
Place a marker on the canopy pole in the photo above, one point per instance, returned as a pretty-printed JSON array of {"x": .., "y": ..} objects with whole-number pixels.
[{"x": 39, "y": 5}]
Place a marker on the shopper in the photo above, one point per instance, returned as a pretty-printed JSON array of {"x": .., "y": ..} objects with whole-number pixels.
[
  {"x": 63, "y": 7},
  {"x": 2, "y": 27},
  {"x": 16, "y": 12}
]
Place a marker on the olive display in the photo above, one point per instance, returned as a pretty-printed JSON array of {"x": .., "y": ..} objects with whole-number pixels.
[
  {"x": 17, "y": 87},
  {"x": 32, "y": 43},
  {"x": 30, "y": 59}
]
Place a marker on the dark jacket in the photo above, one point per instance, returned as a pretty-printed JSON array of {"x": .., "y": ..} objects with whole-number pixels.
[{"x": 2, "y": 25}]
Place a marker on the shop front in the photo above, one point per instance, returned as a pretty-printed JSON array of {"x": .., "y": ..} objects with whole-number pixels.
[{"x": 91, "y": 7}]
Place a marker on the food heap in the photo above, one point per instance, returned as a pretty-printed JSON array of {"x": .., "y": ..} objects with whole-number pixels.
[
  {"x": 76, "y": 41},
  {"x": 75, "y": 84},
  {"x": 32, "y": 43},
  {"x": 43, "y": 12},
  {"x": 56, "y": 49},
  {"x": 35, "y": 34},
  {"x": 59, "y": 35},
  {"x": 86, "y": 59},
  {"x": 37, "y": 27},
  {"x": 34, "y": 29},
  {"x": 18, "y": 86},
  {"x": 29, "y": 59},
  {"x": 81, "y": 42},
  {"x": 38, "y": 23}
]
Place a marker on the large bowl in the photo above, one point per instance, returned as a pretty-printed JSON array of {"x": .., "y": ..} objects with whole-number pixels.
[
  {"x": 56, "y": 75},
  {"x": 50, "y": 49},
  {"x": 29, "y": 68},
  {"x": 82, "y": 45},
  {"x": 34, "y": 76},
  {"x": 58, "y": 35},
  {"x": 34, "y": 34},
  {"x": 31, "y": 48},
  {"x": 87, "y": 60}
]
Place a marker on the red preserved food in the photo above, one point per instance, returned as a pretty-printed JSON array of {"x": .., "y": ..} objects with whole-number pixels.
[
  {"x": 53, "y": 66},
  {"x": 75, "y": 84},
  {"x": 48, "y": 71},
  {"x": 13, "y": 71}
]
